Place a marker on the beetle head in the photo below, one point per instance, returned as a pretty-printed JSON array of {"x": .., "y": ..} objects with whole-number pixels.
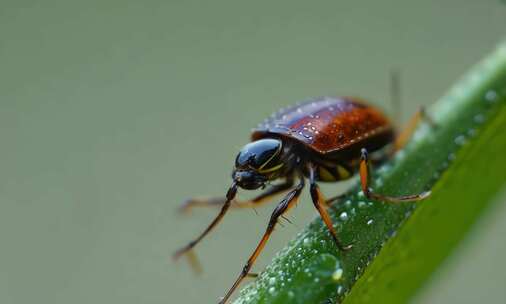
[{"x": 258, "y": 162}]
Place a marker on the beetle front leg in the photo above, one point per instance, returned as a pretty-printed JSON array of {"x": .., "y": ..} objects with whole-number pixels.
[
  {"x": 187, "y": 250},
  {"x": 282, "y": 207},
  {"x": 254, "y": 202},
  {"x": 369, "y": 193}
]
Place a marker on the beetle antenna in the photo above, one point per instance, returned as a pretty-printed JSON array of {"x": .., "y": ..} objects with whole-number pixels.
[{"x": 395, "y": 94}]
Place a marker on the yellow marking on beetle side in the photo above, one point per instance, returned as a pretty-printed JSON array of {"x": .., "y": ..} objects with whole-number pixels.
[
  {"x": 325, "y": 175},
  {"x": 343, "y": 173},
  {"x": 271, "y": 169},
  {"x": 270, "y": 158}
]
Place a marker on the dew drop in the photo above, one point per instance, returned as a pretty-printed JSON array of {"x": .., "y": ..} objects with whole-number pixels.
[
  {"x": 479, "y": 118},
  {"x": 291, "y": 294},
  {"x": 272, "y": 290},
  {"x": 340, "y": 289},
  {"x": 369, "y": 222},
  {"x": 491, "y": 96},
  {"x": 400, "y": 155},
  {"x": 451, "y": 157},
  {"x": 307, "y": 242},
  {"x": 444, "y": 165},
  {"x": 460, "y": 140},
  {"x": 362, "y": 204},
  {"x": 379, "y": 182},
  {"x": 272, "y": 280},
  {"x": 343, "y": 216},
  {"x": 338, "y": 274}
]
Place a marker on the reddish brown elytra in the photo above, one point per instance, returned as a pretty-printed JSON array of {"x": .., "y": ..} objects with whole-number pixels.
[{"x": 325, "y": 139}]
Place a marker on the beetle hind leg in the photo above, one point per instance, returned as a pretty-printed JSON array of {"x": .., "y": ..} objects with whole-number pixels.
[
  {"x": 287, "y": 202},
  {"x": 369, "y": 193},
  {"x": 420, "y": 116}
]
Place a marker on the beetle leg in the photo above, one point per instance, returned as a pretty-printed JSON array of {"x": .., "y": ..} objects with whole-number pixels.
[
  {"x": 365, "y": 181},
  {"x": 219, "y": 201},
  {"x": 320, "y": 204},
  {"x": 409, "y": 129},
  {"x": 330, "y": 201},
  {"x": 230, "y": 196},
  {"x": 287, "y": 202}
]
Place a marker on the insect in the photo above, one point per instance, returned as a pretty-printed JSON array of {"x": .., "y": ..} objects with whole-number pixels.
[{"x": 326, "y": 139}]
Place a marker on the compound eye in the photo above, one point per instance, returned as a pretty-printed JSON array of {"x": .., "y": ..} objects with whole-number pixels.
[{"x": 256, "y": 154}]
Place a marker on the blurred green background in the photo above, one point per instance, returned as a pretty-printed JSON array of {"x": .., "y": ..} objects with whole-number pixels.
[{"x": 113, "y": 112}]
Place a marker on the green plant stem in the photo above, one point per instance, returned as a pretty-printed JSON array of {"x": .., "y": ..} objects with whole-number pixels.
[{"x": 397, "y": 246}]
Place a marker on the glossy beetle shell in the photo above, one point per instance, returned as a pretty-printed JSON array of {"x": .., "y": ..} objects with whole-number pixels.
[{"x": 329, "y": 124}]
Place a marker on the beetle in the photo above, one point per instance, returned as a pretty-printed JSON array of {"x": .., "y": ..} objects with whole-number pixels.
[{"x": 324, "y": 139}]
